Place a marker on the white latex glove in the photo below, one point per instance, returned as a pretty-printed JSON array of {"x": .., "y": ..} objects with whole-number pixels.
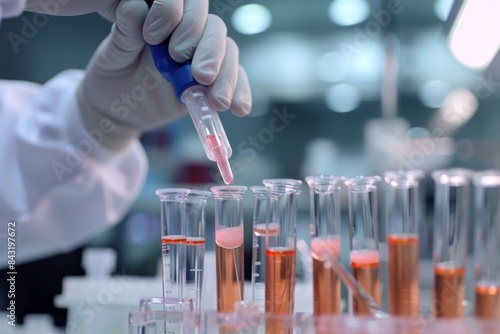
[
  {"x": 122, "y": 85},
  {"x": 11, "y": 8},
  {"x": 106, "y": 8}
]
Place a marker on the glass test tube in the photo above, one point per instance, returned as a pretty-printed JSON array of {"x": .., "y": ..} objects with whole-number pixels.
[
  {"x": 451, "y": 214},
  {"x": 168, "y": 306},
  {"x": 229, "y": 251},
  {"x": 173, "y": 240},
  {"x": 363, "y": 232},
  {"x": 259, "y": 246},
  {"x": 487, "y": 244},
  {"x": 280, "y": 248},
  {"x": 402, "y": 199},
  {"x": 195, "y": 244},
  {"x": 325, "y": 236}
]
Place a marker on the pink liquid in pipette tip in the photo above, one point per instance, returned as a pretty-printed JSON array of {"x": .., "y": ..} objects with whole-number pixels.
[
  {"x": 215, "y": 145},
  {"x": 226, "y": 172},
  {"x": 229, "y": 237}
]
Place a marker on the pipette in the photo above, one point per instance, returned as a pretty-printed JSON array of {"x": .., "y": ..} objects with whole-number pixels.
[
  {"x": 196, "y": 98},
  {"x": 352, "y": 283}
]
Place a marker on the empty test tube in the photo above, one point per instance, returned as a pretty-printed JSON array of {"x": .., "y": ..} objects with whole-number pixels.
[
  {"x": 402, "y": 200},
  {"x": 363, "y": 232},
  {"x": 487, "y": 244},
  {"x": 451, "y": 215},
  {"x": 173, "y": 240},
  {"x": 280, "y": 247},
  {"x": 325, "y": 236},
  {"x": 259, "y": 246},
  {"x": 229, "y": 251},
  {"x": 195, "y": 244}
]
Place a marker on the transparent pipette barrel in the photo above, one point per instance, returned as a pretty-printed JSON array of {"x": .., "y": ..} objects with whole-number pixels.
[
  {"x": 173, "y": 240},
  {"x": 451, "y": 216},
  {"x": 324, "y": 199},
  {"x": 487, "y": 244},
  {"x": 403, "y": 210},
  {"x": 281, "y": 248},
  {"x": 363, "y": 235},
  {"x": 195, "y": 244},
  {"x": 209, "y": 129},
  {"x": 229, "y": 250},
  {"x": 259, "y": 246}
]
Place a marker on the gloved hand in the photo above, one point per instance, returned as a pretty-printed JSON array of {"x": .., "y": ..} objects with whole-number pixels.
[
  {"x": 122, "y": 84},
  {"x": 11, "y": 8},
  {"x": 106, "y": 8}
]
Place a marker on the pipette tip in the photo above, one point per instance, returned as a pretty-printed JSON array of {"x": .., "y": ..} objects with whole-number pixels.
[{"x": 225, "y": 170}]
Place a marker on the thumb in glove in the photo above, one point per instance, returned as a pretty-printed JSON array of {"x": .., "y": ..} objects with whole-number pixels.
[{"x": 121, "y": 85}]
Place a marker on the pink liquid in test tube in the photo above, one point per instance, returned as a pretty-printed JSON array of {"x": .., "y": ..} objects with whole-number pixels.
[
  {"x": 229, "y": 262},
  {"x": 230, "y": 237}
]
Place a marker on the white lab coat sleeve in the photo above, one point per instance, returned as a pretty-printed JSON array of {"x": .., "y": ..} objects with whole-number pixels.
[{"x": 56, "y": 183}]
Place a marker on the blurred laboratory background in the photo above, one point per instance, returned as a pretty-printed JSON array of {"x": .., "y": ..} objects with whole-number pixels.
[{"x": 344, "y": 87}]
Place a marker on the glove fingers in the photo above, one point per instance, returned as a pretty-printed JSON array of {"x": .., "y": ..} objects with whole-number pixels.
[
  {"x": 162, "y": 19},
  {"x": 125, "y": 42},
  {"x": 188, "y": 33},
  {"x": 210, "y": 52},
  {"x": 242, "y": 100},
  {"x": 69, "y": 8},
  {"x": 222, "y": 90}
]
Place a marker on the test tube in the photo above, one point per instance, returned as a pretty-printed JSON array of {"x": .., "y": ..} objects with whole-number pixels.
[
  {"x": 402, "y": 199},
  {"x": 195, "y": 244},
  {"x": 229, "y": 251},
  {"x": 451, "y": 213},
  {"x": 164, "y": 308},
  {"x": 363, "y": 232},
  {"x": 259, "y": 246},
  {"x": 487, "y": 244},
  {"x": 280, "y": 248},
  {"x": 173, "y": 240},
  {"x": 325, "y": 236}
]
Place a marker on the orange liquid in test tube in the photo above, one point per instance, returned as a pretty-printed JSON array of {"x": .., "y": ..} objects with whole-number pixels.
[
  {"x": 173, "y": 240},
  {"x": 449, "y": 291},
  {"x": 366, "y": 269},
  {"x": 403, "y": 275},
  {"x": 280, "y": 280},
  {"x": 326, "y": 283},
  {"x": 280, "y": 285},
  {"x": 487, "y": 304},
  {"x": 229, "y": 256}
]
